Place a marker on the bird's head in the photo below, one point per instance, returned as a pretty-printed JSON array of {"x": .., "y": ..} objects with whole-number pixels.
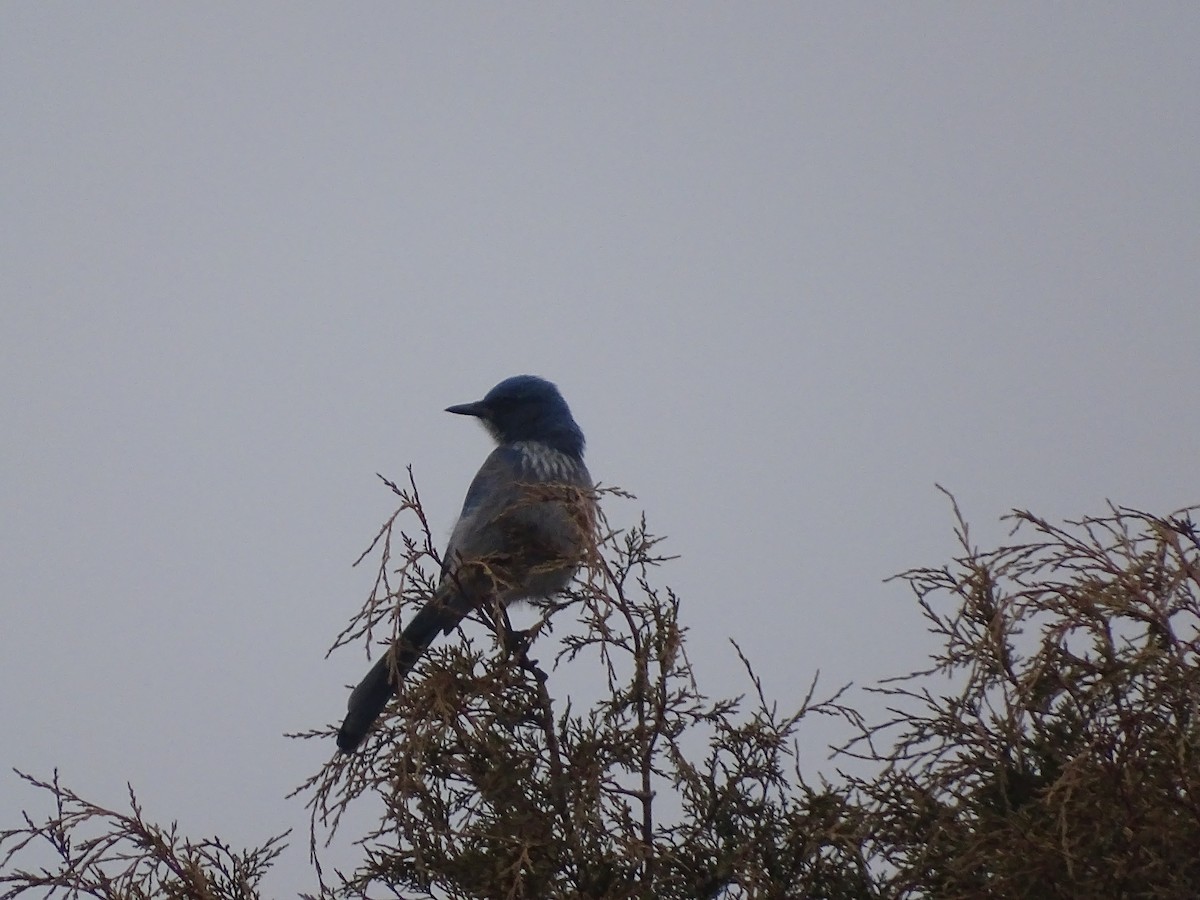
[{"x": 526, "y": 408}]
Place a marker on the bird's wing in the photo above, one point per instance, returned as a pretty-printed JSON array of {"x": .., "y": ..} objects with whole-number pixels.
[{"x": 495, "y": 488}]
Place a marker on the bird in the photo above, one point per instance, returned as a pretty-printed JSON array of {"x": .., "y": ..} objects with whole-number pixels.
[{"x": 525, "y": 527}]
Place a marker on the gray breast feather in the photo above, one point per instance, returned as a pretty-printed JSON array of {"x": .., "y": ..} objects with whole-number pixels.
[{"x": 532, "y": 532}]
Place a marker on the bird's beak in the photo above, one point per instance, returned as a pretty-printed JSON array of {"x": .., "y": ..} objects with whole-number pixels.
[{"x": 469, "y": 409}]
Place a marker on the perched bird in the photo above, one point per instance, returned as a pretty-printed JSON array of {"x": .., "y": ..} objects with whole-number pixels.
[{"x": 524, "y": 529}]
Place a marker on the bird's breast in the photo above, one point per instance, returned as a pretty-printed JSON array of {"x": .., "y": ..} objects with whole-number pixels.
[{"x": 545, "y": 463}]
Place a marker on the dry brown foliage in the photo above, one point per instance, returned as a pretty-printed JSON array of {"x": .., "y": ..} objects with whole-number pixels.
[
  {"x": 1053, "y": 749},
  {"x": 1050, "y": 750},
  {"x": 89, "y": 851}
]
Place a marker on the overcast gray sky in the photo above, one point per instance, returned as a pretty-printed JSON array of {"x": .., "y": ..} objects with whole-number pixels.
[{"x": 790, "y": 265}]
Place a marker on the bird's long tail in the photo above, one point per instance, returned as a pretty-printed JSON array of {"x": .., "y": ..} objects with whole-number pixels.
[{"x": 368, "y": 700}]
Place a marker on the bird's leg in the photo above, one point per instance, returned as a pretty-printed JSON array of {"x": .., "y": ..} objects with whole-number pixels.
[
  {"x": 515, "y": 641},
  {"x": 495, "y": 616}
]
